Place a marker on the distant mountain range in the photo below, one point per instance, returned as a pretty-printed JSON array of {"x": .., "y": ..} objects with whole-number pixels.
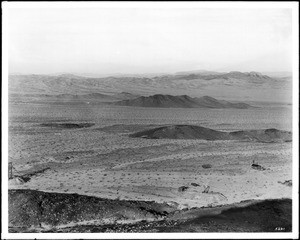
[
  {"x": 91, "y": 97},
  {"x": 183, "y": 101},
  {"x": 251, "y": 76},
  {"x": 237, "y": 86},
  {"x": 96, "y": 96}
]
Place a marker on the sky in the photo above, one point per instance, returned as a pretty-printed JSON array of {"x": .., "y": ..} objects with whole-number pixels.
[{"x": 148, "y": 40}]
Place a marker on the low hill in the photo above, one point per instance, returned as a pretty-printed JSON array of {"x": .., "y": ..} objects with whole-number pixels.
[
  {"x": 182, "y": 101},
  {"x": 198, "y": 132}
]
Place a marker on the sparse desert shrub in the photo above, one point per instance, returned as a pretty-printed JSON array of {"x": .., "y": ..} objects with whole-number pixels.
[
  {"x": 206, "y": 165},
  {"x": 195, "y": 184},
  {"x": 258, "y": 167},
  {"x": 182, "y": 188},
  {"x": 287, "y": 183}
]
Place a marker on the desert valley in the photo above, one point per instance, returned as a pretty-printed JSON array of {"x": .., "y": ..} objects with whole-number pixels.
[{"x": 190, "y": 152}]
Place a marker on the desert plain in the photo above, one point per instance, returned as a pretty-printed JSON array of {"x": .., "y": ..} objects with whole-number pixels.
[{"x": 104, "y": 161}]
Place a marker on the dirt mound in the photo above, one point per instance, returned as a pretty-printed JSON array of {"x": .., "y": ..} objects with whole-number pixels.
[
  {"x": 198, "y": 132},
  {"x": 35, "y": 208},
  {"x": 67, "y": 125}
]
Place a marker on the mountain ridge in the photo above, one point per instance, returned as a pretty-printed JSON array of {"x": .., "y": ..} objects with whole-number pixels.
[{"x": 250, "y": 86}]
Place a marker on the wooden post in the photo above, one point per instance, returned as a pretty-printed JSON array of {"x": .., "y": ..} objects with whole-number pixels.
[{"x": 10, "y": 170}]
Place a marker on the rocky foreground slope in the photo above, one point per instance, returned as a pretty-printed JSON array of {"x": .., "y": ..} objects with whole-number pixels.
[
  {"x": 30, "y": 208},
  {"x": 198, "y": 132},
  {"x": 35, "y": 211}
]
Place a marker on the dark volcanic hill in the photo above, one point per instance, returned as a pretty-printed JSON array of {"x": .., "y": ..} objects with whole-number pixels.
[
  {"x": 159, "y": 100},
  {"x": 182, "y": 132},
  {"x": 198, "y": 132},
  {"x": 182, "y": 101}
]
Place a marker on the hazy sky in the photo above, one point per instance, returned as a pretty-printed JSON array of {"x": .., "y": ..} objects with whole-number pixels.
[{"x": 94, "y": 40}]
